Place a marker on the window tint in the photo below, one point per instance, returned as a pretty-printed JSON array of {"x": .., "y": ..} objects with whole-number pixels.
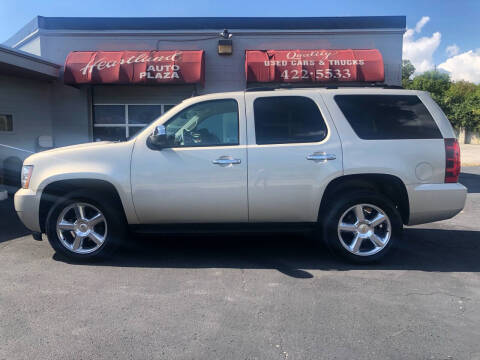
[
  {"x": 209, "y": 123},
  {"x": 380, "y": 117},
  {"x": 288, "y": 119}
]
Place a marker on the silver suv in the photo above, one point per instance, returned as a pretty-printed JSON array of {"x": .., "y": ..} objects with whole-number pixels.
[{"x": 352, "y": 164}]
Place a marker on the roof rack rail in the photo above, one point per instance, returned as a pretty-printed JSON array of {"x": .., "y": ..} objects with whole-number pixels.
[
  {"x": 260, "y": 88},
  {"x": 321, "y": 86}
]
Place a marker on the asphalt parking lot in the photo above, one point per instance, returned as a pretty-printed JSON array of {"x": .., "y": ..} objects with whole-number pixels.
[{"x": 246, "y": 297}]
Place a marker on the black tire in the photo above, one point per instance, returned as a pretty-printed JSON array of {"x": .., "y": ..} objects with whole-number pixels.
[
  {"x": 115, "y": 223},
  {"x": 334, "y": 211}
]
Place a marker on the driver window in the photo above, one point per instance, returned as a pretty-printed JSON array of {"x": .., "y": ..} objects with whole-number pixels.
[{"x": 209, "y": 123}]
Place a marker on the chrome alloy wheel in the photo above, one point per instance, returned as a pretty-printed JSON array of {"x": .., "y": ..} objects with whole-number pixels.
[
  {"x": 81, "y": 228},
  {"x": 364, "y": 229}
]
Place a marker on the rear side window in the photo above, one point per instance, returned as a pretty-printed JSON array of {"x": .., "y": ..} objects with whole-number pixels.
[
  {"x": 288, "y": 119},
  {"x": 382, "y": 117}
]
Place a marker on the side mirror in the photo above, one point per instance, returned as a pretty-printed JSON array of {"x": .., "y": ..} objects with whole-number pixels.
[{"x": 159, "y": 137}]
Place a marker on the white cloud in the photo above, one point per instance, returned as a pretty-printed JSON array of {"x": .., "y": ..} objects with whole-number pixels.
[
  {"x": 421, "y": 23},
  {"x": 452, "y": 50},
  {"x": 420, "y": 51},
  {"x": 465, "y": 66}
]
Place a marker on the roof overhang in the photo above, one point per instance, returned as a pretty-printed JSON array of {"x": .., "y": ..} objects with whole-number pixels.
[
  {"x": 128, "y": 26},
  {"x": 19, "y": 63}
]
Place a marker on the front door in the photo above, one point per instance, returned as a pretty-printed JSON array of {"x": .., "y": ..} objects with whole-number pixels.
[
  {"x": 293, "y": 153},
  {"x": 202, "y": 175}
]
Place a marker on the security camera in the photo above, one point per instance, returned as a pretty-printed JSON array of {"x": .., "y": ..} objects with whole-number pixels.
[{"x": 225, "y": 34}]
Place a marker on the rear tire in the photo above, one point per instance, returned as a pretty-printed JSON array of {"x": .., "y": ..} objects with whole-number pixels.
[
  {"x": 84, "y": 227},
  {"x": 361, "y": 226}
]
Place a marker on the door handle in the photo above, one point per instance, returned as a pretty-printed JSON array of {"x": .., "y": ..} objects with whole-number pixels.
[
  {"x": 321, "y": 156},
  {"x": 226, "y": 160}
]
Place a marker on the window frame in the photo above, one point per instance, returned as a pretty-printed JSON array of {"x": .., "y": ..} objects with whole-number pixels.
[
  {"x": 126, "y": 125},
  {"x": 200, "y": 146},
  {"x": 315, "y": 102},
  {"x": 389, "y": 138}
]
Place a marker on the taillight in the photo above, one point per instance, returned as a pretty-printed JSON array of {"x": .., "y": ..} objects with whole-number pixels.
[{"x": 452, "y": 160}]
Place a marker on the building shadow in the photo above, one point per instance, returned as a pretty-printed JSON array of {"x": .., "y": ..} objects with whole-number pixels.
[
  {"x": 296, "y": 255},
  {"x": 10, "y": 225},
  {"x": 10, "y": 171}
]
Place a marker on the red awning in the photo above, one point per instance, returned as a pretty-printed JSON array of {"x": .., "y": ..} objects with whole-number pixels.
[
  {"x": 135, "y": 67},
  {"x": 314, "y": 66}
]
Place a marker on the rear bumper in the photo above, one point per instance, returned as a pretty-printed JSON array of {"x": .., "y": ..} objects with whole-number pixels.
[
  {"x": 434, "y": 202},
  {"x": 26, "y": 206}
]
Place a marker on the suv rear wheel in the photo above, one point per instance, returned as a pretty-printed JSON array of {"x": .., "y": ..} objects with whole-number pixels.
[
  {"x": 361, "y": 226},
  {"x": 82, "y": 228}
]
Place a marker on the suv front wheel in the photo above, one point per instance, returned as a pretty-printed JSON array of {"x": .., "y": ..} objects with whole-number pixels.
[
  {"x": 361, "y": 226},
  {"x": 82, "y": 228}
]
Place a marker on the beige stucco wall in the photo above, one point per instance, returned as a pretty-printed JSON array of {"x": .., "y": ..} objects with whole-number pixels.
[{"x": 468, "y": 137}]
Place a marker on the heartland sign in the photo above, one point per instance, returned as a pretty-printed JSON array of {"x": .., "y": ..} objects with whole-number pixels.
[
  {"x": 135, "y": 67},
  {"x": 314, "y": 66}
]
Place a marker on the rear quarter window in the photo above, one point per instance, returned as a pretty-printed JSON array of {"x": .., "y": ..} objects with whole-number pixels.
[{"x": 388, "y": 117}]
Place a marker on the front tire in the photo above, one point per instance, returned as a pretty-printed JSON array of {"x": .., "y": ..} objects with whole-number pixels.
[
  {"x": 361, "y": 227},
  {"x": 82, "y": 228}
]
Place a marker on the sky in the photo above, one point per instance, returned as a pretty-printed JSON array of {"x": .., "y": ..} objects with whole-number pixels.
[{"x": 441, "y": 33}]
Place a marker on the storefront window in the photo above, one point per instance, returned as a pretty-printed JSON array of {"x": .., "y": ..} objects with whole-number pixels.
[
  {"x": 143, "y": 114},
  {"x": 121, "y": 122},
  {"x": 109, "y": 133},
  {"x": 6, "y": 123}
]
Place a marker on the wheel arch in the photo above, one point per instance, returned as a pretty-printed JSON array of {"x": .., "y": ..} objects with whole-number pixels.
[
  {"x": 388, "y": 185},
  {"x": 61, "y": 188}
]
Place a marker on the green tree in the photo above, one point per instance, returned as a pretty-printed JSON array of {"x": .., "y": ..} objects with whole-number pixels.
[
  {"x": 436, "y": 83},
  {"x": 472, "y": 119},
  {"x": 407, "y": 72},
  {"x": 460, "y": 102}
]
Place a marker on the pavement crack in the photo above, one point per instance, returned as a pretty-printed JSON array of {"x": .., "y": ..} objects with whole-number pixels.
[{"x": 463, "y": 298}]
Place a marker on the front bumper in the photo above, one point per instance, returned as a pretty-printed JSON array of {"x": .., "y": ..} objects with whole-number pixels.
[
  {"x": 27, "y": 206},
  {"x": 434, "y": 202}
]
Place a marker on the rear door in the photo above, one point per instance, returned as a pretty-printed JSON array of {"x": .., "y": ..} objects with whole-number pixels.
[{"x": 294, "y": 151}]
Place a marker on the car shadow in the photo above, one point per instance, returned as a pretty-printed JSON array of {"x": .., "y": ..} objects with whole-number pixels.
[
  {"x": 470, "y": 181},
  {"x": 296, "y": 255}
]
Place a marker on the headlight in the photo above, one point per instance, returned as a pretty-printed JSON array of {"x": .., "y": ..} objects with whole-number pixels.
[{"x": 26, "y": 175}]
